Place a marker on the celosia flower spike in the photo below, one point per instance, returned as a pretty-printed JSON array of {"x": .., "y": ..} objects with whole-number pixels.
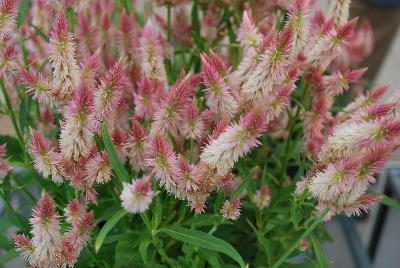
[
  {"x": 62, "y": 59},
  {"x": 8, "y": 12},
  {"x": 299, "y": 19},
  {"x": 248, "y": 34},
  {"x": 108, "y": 94},
  {"x": 231, "y": 209},
  {"x": 234, "y": 142},
  {"x": 147, "y": 98},
  {"x": 262, "y": 198},
  {"x": 137, "y": 146},
  {"x": 41, "y": 89},
  {"x": 137, "y": 197},
  {"x": 45, "y": 159},
  {"x": 76, "y": 137},
  {"x": 45, "y": 231},
  {"x": 98, "y": 169},
  {"x": 152, "y": 55},
  {"x": 339, "y": 11}
]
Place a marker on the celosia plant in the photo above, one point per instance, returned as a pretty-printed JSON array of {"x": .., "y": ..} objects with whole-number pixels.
[{"x": 185, "y": 134}]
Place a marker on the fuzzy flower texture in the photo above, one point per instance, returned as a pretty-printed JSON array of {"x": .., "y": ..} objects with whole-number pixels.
[{"x": 182, "y": 123}]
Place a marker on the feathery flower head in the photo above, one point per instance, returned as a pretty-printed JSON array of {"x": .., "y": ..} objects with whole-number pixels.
[
  {"x": 355, "y": 138},
  {"x": 118, "y": 138},
  {"x": 197, "y": 201},
  {"x": 40, "y": 88},
  {"x": 193, "y": 125},
  {"x": 163, "y": 163},
  {"x": 262, "y": 197},
  {"x": 77, "y": 130},
  {"x": 152, "y": 54},
  {"x": 169, "y": 116},
  {"x": 8, "y": 58},
  {"x": 248, "y": 34},
  {"x": 231, "y": 209},
  {"x": 337, "y": 178},
  {"x": 337, "y": 83},
  {"x": 79, "y": 234},
  {"x": 362, "y": 204},
  {"x": 45, "y": 230},
  {"x": 74, "y": 210},
  {"x": 378, "y": 110},
  {"x": 24, "y": 246},
  {"x": 137, "y": 146},
  {"x": 330, "y": 45},
  {"x": 147, "y": 98},
  {"x": 62, "y": 59},
  {"x": 271, "y": 67},
  {"x": 8, "y": 12},
  {"x": 108, "y": 94},
  {"x": 237, "y": 140},
  {"x": 299, "y": 19},
  {"x": 187, "y": 177},
  {"x": 90, "y": 69},
  {"x": 136, "y": 197},
  {"x": 98, "y": 169},
  {"x": 218, "y": 91},
  {"x": 45, "y": 159}
]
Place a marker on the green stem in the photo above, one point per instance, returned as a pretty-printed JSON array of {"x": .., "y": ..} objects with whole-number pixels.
[
  {"x": 302, "y": 236},
  {"x": 11, "y": 113},
  {"x": 26, "y": 192}
]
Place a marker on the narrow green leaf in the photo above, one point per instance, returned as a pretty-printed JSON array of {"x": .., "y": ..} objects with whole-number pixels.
[
  {"x": 119, "y": 169},
  {"x": 22, "y": 12},
  {"x": 203, "y": 240},
  {"x": 310, "y": 228},
  {"x": 143, "y": 249},
  {"x": 107, "y": 228},
  {"x": 240, "y": 189},
  {"x": 157, "y": 213},
  {"x": 319, "y": 252},
  {"x": 11, "y": 254}
]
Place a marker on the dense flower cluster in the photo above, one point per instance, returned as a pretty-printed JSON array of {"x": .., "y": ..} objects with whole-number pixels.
[{"x": 182, "y": 131}]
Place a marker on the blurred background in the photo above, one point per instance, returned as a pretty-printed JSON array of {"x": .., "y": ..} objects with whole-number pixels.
[{"x": 374, "y": 239}]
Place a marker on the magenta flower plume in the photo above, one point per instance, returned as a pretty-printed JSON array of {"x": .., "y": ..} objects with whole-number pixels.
[
  {"x": 168, "y": 118},
  {"x": 152, "y": 54},
  {"x": 98, "y": 169},
  {"x": 248, "y": 34},
  {"x": 45, "y": 161},
  {"x": 237, "y": 140},
  {"x": 8, "y": 12},
  {"x": 74, "y": 210},
  {"x": 137, "y": 197},
  {"x": 231, "y": 209},
  {"x": 326, "y": 185},
  {"x": 77, "y": 130},
  {"x": 108, "y": 94},
  {"x": 337, "y": 83},
  {"x": 193, "y": 125},
  {"x": 147, "y": 98},
  {"x": 137, "y": 146},
  {"x": 162, "y": 161},
  {"x": 360, "y": 137},
  {"x": 271, "y": 67},
  {"x": 45, "y": 231},
  {"x": 90, "y": 69},
  {"x": 339, "y": 10},
  {"x": 62, "y": 59},
  {"x": 8, "y": 59},
  {"x": 299, "y": 19},
  {"x": 330, "y": 45},
  {"x": 262, "y": 197},
  {"x": 362, "y": 204},
  {"x": 188, "y": 175},
  {"x": 218, "y": 91},
  {"x": 24, "y": 246},
  {"x": 39, "y": 87}
]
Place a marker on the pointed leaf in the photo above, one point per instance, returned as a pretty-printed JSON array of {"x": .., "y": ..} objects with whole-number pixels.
[
  {"x": 119, "y": 169},
  {"x": 203, "y": 240},
  {"x": 107, "y": 228},
  {"x": 143, "y": 249}
]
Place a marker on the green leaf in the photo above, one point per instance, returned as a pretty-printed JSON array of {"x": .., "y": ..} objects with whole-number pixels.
[
  {"x": 22, "y": 12},
  {"x": 119, "y": 169},
  {"x": 11, "y": 254},
  {"x": 143, "y": 249},
  {"x": 203, "y": 240},
  {"x": 157, "y": 213},
  {"x": 319, "y": 252},
  {"x": 107, "y": 228},
  {"x": 310, "y": 228}
]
